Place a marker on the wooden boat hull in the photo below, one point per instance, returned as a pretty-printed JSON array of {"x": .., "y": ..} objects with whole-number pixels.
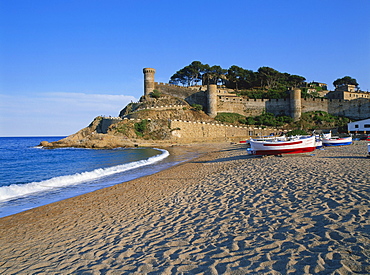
[
  {"x": 337, "y": 141},
  {"x": 296, "y": 146}
]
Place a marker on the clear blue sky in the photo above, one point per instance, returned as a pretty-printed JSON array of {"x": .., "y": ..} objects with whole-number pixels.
[{"x": 64, "y": 62}]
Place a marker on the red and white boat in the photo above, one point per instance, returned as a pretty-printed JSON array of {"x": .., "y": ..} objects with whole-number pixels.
[
  {"x": 302, "y": 144},
  {"x": 337, "y": 141}
]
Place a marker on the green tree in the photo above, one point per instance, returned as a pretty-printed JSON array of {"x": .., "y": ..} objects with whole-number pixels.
[
  {"x": 189, "y": 75},
  {"x": 347, "y": 80},
  {"x": 268, "y": 77},
  {"x": 213, "y": 75},
  {"x": 239, "y": 78},
  {"x": 295, "y": 80},
  {"x": 235, "y": 75}
]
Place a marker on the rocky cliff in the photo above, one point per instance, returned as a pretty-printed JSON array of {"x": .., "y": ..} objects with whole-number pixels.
[{"x": 145, "y": 122}]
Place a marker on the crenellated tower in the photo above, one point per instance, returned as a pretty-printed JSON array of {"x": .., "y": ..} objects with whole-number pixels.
[
  {"x": 217, "y": 100},
  {"x": 212, "y": 100},
  {"x": 295, "y": 104},
  {"x": 148, "y": 80}
]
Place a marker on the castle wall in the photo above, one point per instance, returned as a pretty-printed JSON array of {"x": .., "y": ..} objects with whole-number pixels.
[
  {"x": 314, "y": 104},
  {"x": 187, "y": 131},
  {"x": 104, "y": 124},
  {"x": 176, "y": 91},
  {"x": 278, "y": 106},
  {"x": 229, "y": 103},
  {"x": 253, "y": 107},
  {"x": 191, "y": 95},
  {"x": 240, "y": 106},
  {"x": 354, "y": 109}
]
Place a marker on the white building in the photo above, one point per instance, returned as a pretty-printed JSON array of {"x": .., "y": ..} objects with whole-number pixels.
[{"x": 359, "y": 126}]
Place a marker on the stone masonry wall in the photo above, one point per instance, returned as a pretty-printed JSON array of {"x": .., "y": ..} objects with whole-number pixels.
[
  {"x": 212, "y": 132},
  {"x": 357, "y": 109},
  {"x": 315, "y": 104},
  {"x": 229, "y": 103},
  {"x": 253, "y": 107},
  {"x": 193, "y": 95}
]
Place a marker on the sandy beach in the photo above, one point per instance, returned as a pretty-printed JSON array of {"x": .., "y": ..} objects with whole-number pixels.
[{"x": 222, "y": 213}]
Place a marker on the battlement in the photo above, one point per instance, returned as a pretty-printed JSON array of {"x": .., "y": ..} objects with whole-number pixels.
[
  {"x": 223, "y": 100},
  {"x": 238, "y": 99},
  {"x": 196, "y": 88},
  {"x": 149, "y": 70}
]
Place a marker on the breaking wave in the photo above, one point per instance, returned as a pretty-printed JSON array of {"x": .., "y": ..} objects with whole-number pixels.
[{"x": 19, "y": 190}]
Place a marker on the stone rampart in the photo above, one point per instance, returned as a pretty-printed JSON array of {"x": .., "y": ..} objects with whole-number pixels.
[
  {"x": 278, "y": 106},
  {"x": 194, "y": 95},
  {"x": 230, "y": 103},
  {"x": 192, "y": 131},
  {"x": 356, "y": 109},
  {"x": 253, "y": 107},
  {"x": 105, "y": 123},
  {"x": 315, "y": 104},
  {"x": 176, "y": 91},
  {"x": 160, "y": 108}
]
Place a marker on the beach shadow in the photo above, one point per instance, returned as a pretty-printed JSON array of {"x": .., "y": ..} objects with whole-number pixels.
[
  {"x": 345, "y": 157},
  {"x": 242, "y": 157},
  {"x": 233, "y": 149}
]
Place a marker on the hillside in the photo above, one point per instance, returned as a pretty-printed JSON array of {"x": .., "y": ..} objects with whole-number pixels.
[
  {"x": 149, "y": 122},
  {"x": 145, "y": 121}
]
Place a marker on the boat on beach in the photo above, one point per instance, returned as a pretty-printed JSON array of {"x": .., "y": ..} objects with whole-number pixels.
[
  {"x": 337, "y": 141},
  {"x": 318, "y": 142},
  {"x": 294, "y": 145},
  {"x": 270, "y": 138}
]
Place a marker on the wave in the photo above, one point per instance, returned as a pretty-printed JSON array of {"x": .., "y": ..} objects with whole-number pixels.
[{"x": 19, "y": 190}]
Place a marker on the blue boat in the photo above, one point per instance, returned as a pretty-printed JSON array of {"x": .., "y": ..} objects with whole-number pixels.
[{"x": 337, "y": 141}]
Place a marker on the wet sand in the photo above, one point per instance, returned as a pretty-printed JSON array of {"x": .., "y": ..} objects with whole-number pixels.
[{"x": 222, "y": 213}]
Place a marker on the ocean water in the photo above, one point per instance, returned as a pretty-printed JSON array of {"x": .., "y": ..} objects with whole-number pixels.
[{"x": 32, "y": 176}]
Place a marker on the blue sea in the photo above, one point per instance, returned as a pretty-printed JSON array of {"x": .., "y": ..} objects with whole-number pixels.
[{"x": 31, "y": 176}]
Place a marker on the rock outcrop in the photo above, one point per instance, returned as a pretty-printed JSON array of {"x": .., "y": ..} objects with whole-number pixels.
[{"x": 145, "y": 122}]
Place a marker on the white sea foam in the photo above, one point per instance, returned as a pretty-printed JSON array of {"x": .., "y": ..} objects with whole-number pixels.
[{"x": 19, "y": 190}]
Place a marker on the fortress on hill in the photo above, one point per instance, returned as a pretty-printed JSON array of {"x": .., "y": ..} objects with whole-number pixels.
[
  {"x": 344, "y": 101},
  {"x": 163, "y": 116}
]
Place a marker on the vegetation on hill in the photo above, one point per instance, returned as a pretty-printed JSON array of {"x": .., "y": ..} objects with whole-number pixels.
[
  {"x": 320, "y": 120},
  {"x": 308, "y": 121},
  {"x": 266, "y": 82},
  {"x": 265, "y": 119},
  {"x": 347, "y": 80}
]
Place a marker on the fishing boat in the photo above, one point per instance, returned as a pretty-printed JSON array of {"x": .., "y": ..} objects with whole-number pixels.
[
  {"x": 337, "y": 141},
  {"x": 295, "y": 145},
  {"x": 272, "y": 138},
  {"x": 318, "y": 143}
]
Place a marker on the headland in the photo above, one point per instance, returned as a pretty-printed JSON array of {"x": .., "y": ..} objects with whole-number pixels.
[{"x": 168, "y": 114}]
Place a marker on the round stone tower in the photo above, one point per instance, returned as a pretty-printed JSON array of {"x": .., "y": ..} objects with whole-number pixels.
[
  {"x": 212, "y": 100},
  {"x": 148, "y": 80},
  {"x": 295, "y": 104}
]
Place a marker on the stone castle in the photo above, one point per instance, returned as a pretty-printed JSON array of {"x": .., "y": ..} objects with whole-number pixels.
[
  {"x": 171, "y": 121},
  {"x": 344, "y": 101}
]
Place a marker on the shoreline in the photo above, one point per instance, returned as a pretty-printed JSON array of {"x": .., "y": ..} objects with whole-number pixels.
[
  {"x": 36, "y": 199},
  {"x": 222, "y": 212}
]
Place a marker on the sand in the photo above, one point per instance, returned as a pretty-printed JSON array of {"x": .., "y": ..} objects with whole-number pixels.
[{"x": 222, "y": 213}]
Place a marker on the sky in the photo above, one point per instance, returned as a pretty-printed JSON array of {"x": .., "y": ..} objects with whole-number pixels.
[{"x": 64, "y": 62}]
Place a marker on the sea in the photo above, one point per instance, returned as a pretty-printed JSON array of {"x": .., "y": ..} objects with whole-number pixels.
[{"x": 32, "y": 176}]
